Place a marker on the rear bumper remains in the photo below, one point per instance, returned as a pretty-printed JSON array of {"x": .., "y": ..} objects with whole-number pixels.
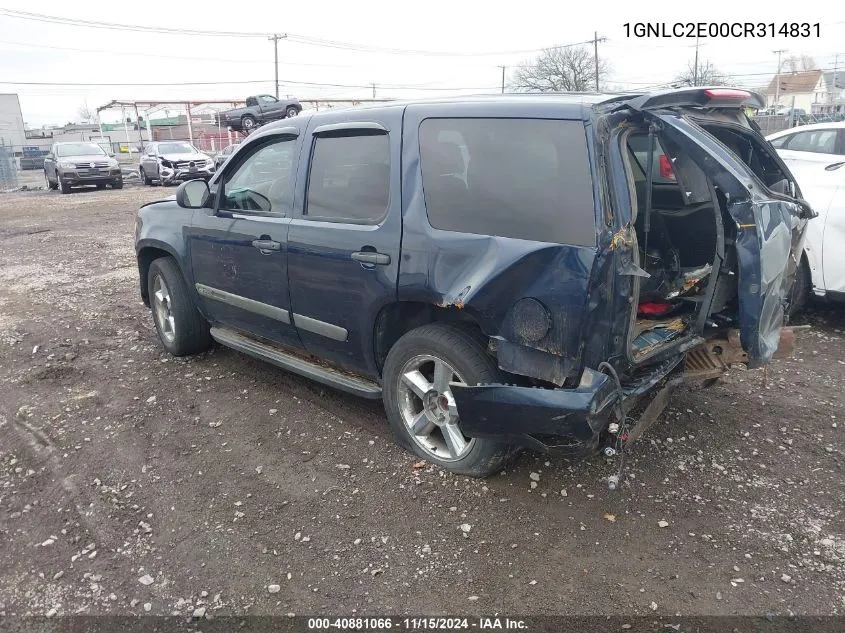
[
  {"x": 562, "y": 421},
  {"x": 572, "y": 421}
]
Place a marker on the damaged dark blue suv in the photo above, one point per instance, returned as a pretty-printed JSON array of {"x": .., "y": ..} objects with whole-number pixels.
[{"x": 512, "y": 271}]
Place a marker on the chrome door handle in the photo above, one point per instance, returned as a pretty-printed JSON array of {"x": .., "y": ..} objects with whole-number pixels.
[
  {"x": 265, "y": 246},
  {"x": 371, "y": 257}
]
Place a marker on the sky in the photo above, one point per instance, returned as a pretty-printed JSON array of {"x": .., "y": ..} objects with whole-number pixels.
[{"x": 338, "y": 49}]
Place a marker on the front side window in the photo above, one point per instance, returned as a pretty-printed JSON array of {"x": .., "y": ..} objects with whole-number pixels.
[
  {"x": 263, "y": 183},
  {"x": 528, "y": 179},
  {"x": 267, "y": 100},
  {"x": 79, "y": 149},
  {"x": 349, "y": 179}
]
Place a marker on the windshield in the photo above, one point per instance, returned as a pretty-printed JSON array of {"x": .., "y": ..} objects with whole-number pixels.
[
  {"x": 176, "y": 148},
  {"x": 79, "y": 149}
]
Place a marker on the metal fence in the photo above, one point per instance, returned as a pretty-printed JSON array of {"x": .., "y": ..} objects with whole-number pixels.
[
  {"x": 772, "y": 123},
  {"x": 8, "y": 168}
]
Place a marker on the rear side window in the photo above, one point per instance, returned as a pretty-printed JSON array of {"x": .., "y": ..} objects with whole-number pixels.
[
  {"x": 817, "y": 141},
  {"x": 349, "y": 179},
  {"x": 521, "y": 178}
]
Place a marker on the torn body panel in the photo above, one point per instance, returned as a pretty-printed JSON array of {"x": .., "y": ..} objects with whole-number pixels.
[{"x": 769, "y": 231}]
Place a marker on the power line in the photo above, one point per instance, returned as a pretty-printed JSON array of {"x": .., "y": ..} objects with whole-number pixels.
[
  {"x": 162, "y": 56},
  {"x": 255, "y": 81},
  {"x": 299, "y": 39},
  {"x": 38, "y": 17}
]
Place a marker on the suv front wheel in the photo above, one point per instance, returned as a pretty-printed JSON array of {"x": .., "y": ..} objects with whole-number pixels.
[
  {"x": 181, "y": 329},
  {"x": 420, "y": 406}
]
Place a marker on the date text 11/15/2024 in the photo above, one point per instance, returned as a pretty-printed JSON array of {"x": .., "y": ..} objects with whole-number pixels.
[
  {"x": 721, "y": 29},
  {"x": 416, "y": 624}
]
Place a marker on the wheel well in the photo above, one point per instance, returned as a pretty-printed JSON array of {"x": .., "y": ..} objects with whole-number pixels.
[
  {"x": 396, "y": 319},
  {"x": 147, "y": 256}
]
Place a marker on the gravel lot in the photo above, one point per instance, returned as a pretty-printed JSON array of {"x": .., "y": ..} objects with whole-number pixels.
[{"x": 132, "y": 482}]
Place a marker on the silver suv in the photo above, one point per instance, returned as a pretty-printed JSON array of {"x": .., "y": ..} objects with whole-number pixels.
[{"x": 172, "y": 161}]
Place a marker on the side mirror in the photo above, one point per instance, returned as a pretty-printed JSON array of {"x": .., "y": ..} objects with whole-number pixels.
[{"x": 193, "y": 194}]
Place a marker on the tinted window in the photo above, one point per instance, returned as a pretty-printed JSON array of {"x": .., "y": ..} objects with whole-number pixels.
[
  {"x": 349, "y": 179},
  {"x": 819, "y": 141},
  {"x": 522, "y": 178},
  {"x": 263, "y": 183}
]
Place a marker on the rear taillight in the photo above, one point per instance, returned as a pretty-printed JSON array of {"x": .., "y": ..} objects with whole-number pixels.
[{"x": 666, "y": 168}]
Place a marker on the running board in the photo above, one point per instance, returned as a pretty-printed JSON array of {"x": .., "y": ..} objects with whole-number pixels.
[{"x": 330, "y": 377}]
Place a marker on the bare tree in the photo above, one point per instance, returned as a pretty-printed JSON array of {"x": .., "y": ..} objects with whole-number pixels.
[
  {"x": 86, "y": 114},
  {"x": 571, "y": 69},
  {"x": 799, "y": 63},
  {"x": 707, "y": 75}
]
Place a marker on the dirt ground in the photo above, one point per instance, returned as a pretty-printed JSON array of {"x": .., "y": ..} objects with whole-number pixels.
[{"x": 132, "y": 482}]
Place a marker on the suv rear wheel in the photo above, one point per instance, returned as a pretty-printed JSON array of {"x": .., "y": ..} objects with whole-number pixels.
[
  {"x": 419, "y": 402},
  {"x": 181, "y": 329}
]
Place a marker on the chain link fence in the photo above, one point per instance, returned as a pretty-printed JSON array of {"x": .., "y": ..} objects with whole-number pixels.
[
  {"x": 8, "y": 169},
  {"x": 771, "y": 123}
]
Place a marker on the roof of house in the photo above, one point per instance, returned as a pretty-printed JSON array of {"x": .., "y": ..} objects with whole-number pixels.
[
  {"x": 797, "y": 82},
  {"x": 839, "y": 76}
]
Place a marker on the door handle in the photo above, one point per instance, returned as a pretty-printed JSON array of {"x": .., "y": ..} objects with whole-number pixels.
[
  {"x": 371, "y": 257},
  {"x": 266, "y": 246}
]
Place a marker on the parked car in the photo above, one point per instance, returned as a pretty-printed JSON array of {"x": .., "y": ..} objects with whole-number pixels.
[
  {"x": 76, "y": 164},
  {"x": 224, "y": 154},
  {"x": 821, "y": 143},
  {"x": 259, "y": 110},
  {"x": 173, "y": 161},
  {"x": 822, "y": 267},
  {"x": 498, "y": 270}
]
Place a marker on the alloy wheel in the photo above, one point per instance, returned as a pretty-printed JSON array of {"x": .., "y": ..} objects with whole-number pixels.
[
  {"x": 163, "y": 310},
  {"x": 428, "y": 408}
]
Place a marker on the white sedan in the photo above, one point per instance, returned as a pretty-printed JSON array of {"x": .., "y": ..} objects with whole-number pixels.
[
  {"x": 816, "y": 143},
  {"x": 815, "y": 154}
]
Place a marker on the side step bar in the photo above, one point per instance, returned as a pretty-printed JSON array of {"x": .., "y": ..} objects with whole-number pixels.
[{"x": 332, "y": 378}]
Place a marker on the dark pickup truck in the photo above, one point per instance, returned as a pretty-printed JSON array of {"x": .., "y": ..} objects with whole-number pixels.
[
  {"x": 504, "y": 272},
  {"x": 260, "y": 109}
]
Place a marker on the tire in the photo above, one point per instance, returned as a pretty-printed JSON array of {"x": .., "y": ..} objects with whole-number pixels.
[
  {"x": 181, "y": 329},
  {"x": 248, "y": 123},
  {"x": 50, "y": 184},
  {"x": 117, "y": 184},
  {"x": 144, "y": 178},
  {"x": 801, "y": 288},
  {"x": 292, "y": 111},
  {"x": 64, "y": 187},
  {"x": 101, "y": 185},
  {"x": 465, "y": 357}
]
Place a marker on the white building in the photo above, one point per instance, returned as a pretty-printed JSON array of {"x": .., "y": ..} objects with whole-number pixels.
[{"x": 11, "y": 121}]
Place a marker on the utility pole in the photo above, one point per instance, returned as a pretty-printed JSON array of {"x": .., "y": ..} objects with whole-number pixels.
[
  {"x": 374, "y": 90},
  {"x": 503, "y": 78},
  {"x": 777, "y": 78},
  {"x": 695, "y": 68},
  {"x": 275, "y": 39},
  {"x": 835, "y": 90},
  {"x": 596, "y": 40}
]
